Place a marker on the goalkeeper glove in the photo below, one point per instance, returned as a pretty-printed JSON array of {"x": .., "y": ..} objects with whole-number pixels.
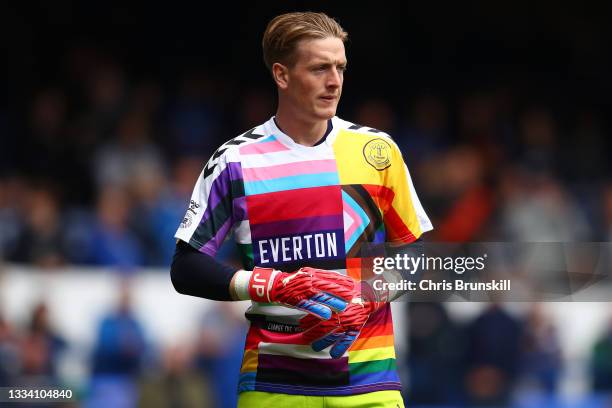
[
  {"x": 341, "y": 331},
  {"x": 315, "y": 291}
]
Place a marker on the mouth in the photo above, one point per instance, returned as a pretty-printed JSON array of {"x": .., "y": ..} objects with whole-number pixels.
[{"x": 329, "y": 98}]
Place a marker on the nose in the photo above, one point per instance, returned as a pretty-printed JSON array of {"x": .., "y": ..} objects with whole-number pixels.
[{"x": 334, "y": 79}]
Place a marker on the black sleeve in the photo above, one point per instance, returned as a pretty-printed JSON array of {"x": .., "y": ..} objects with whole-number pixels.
[
  {"x": 197, "y": 274},
  {"x": 413, "y": 250},
  {"x": 394, "y": 275}
]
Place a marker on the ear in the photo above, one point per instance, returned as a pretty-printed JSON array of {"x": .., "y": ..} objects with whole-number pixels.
[{"x": 280, "y": 73}]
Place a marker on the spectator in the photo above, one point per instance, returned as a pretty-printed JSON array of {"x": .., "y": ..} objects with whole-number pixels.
[
  {"x": 132, "y": 153},
  {"x": 493, "y": 357},
  {"x": 436, "y": 347},
  {"x": 10, "y": 363},
  {"x": 114, "y": 244},
  {"x": 177, "y": 384},
  {"x": 12, "y": 201},
  {"x": 41, "y": 347},
  {"x": 194, "y": 122},
  {"x": 541, "y": 353},
  {"x": 219, "y": 351},
  {"x": 470, "y": 199},
  {"x": 46, "y": 153},
  {"x": 106, "y": 92},
  {"x": 536, "y": 208},
  {"x": 426, "y": 132},
  {"x": 118, "y": 357},
  {"x": 155, "y": 214},
  {"x": 42, "y": 241},
  {"x": 538, "y": 132}
]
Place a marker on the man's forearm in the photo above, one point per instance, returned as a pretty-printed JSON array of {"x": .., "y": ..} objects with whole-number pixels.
[
  {"x": 197, "y": 274},
  {"x": 315, "y": 291},
  {"x": 392, "y": 277}
]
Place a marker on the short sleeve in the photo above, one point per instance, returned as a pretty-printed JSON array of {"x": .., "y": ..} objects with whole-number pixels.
[
  {"x": 210, "y": 215},
  {"x": 405, "y": 219}
]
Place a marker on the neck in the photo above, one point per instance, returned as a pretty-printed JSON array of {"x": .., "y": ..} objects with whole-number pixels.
[{"x": 304, "y": 132}]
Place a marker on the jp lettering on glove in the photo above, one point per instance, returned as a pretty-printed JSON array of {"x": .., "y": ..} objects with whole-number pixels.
[
  {"x": 343, "y": 328},
  {"x": 318, "y": 292}
]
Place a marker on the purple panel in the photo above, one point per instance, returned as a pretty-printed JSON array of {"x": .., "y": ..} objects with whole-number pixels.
[
  {"x": 309, "y": 366},
  {"x": 297, "y": 226}
]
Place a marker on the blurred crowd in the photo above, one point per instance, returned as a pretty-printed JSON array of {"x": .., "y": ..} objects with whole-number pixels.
[
  {"x": 496, "y": 358},
  {"x": 125, "y": 366},
  {"x": 98, "y": 169}
]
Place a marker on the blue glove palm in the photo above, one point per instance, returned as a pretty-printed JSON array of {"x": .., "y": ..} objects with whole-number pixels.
[{"x": 341, "y": 331}]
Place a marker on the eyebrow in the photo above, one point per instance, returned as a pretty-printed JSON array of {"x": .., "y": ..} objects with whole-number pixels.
[{"x": 328, "y": 63}]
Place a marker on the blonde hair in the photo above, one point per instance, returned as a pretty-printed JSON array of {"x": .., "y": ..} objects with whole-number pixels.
[{"x": 285, "y": 31}]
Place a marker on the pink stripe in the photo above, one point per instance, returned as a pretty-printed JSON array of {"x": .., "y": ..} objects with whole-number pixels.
[
  {"x": 354, "y": 225},
  {"x": 288, "y": 169},
  {"x": 263, "y": 147}
]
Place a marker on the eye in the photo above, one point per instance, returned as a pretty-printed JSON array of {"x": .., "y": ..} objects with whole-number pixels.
[{"x": 320, "y": 67}]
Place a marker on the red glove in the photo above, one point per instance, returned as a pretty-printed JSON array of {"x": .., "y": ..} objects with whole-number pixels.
[
  {"x": 343, "y": 328},
  {"x": 316, "y": 291}
]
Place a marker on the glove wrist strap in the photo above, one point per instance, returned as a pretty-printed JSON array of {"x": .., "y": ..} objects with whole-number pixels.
[
  {"x": 373, "y": 297},
  {"x": 241, "y": 284},
  {"x": 260, "y": 284}
]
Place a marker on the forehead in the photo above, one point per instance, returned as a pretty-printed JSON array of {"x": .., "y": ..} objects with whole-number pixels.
[{"x": 329, "y": 49}]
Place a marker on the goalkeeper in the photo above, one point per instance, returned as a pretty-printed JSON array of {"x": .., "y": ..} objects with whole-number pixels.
[{"x": 302, "y": 194}]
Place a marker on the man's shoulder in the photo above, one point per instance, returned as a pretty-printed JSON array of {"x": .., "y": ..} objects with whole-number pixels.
[
  {"x": 250, "y": 136},
  {"x": 360, "y": 130},
  {"x": 229, "y": 151}
]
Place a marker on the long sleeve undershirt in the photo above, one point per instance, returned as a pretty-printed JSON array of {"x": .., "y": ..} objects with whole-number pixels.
[{"x": 198, "y": 274}]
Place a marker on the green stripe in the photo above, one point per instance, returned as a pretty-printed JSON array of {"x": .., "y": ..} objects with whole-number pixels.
[
  {"x": 246, "y": 253},
  {"x": 372, "y": 366},
  {"x": 237, "y": 188}
]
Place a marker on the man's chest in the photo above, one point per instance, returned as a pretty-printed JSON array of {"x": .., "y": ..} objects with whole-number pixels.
[{"x": 306, "y": 217}]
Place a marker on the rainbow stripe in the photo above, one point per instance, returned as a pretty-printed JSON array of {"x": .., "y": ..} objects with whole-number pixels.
[
  {"x": 267, "y": 145},
  {"x": 355, "y": 219},
  {"x": 289, "y": 169},
  {"x": 290, "y": 183},
  {"x": 284, "y": 363}
]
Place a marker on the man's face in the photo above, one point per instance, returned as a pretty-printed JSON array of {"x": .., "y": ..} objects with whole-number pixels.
[{"x": 314, "y": 82}]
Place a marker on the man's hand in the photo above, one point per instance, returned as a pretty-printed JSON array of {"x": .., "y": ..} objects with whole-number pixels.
[
  {"x": 343, "y": 328},
  {"x": 315, "y": 291}
]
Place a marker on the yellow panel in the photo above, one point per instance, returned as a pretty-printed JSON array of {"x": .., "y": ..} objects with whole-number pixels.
[
  {"x": 353, "y": 167},
  {"x": 380, "y": 353},
  {"x": 251, "y": 399},
  {"x": 372, "y": 159}
]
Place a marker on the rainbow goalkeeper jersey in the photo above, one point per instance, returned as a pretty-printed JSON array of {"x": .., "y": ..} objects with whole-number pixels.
[{"x": 290, "y": 206}]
